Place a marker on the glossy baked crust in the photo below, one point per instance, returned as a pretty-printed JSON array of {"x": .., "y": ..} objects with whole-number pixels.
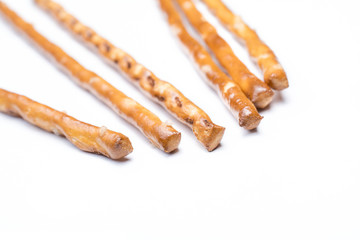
[
  {"x": 274, "y": 74},
  {"x": 255, "y": 89},
  {"x": 84, "y": 136},
  {"x": 162, "y": 135},
  {"x": 241, "y": 107},
  {"x": 162, "y": 92}
]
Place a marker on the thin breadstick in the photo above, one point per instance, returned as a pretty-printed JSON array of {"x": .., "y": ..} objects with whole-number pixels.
[
  {"x": 274, "y": 74},
  {"x": 241, "y": 107},
  {"x": 160, "y": 134},
  {"x": 208, "y": 133},
  {"x": 255, "y": 89},
  {"x": 84, "y": 136}
]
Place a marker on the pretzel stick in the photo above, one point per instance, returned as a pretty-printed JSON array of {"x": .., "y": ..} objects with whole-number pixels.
[
  {"x": 160, "y": 134},
  {"x": 84, "y": 136},
  {"x": 274, "y": 74},
  {"x": 255, "y": 89},
  {"x": 208, "y": 133},
  {"x": 241, "y": 107}
]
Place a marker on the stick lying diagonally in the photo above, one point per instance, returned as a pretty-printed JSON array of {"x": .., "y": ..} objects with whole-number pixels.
[
  {"x": 160, "y": 134},
  {"x": 274, "y": 74},
  {"x": 84, "y": 136},
  {"x": 208, "y": 133},
  {"x": 255, "y": 89},
  {"x": 241, "y": 107}
]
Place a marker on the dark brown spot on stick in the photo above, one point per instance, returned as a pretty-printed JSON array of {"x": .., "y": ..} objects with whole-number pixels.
[
  {"x": 151, "y": 81},
  {"x": 207, "y": 123},
  {"x": 178, "y": 102},
  {"x": 107, "y": 47},
  {"x": 160, "y": 98},
  {"x": 189, "y": 120},
  {"x": 128, "y": 64}
]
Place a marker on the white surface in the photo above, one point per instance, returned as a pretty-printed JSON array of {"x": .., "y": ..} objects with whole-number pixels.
[{"x": 296, "y": 177}]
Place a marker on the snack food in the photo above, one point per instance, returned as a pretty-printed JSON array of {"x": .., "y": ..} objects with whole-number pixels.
[
  {"x": 208, "y": 133},
  {"x": 241, "y": 107},
  {"x": 255, "y": 89},
  {"x": 274, "y": 74},
  {"x": 84, "y": 136},
  {"x": 159, "y": 133}
]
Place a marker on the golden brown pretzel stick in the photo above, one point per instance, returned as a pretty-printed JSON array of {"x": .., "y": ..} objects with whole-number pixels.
[
  {"x": 241, "y": 107},
  {"x": 255, "y": 89},
  {"x": 160, "y": 134},
  {"x": 274, "y": 74},
  {"x": 84, "y": 136},
  {"x": 208, "y": 133}
]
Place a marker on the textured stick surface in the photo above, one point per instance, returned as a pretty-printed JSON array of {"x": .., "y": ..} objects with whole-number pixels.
[
  {"x": 255, "y": 89},
  {"x": 160, "y": 134},
  {"x": 241, "y": 107},
  {"x": 208, "y": 133},
  {"x": 274, "y": 74},
  {"x": 84, "y": 136}
]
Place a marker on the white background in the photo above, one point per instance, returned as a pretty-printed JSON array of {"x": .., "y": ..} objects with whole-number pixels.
[{"x": 296, "y": 177}]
